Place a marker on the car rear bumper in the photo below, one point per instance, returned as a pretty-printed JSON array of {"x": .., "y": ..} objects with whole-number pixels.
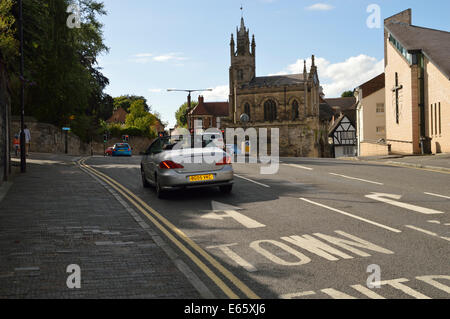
[
  {"x": 122, "y": 154},
  {"x": 170, "y": 179}
]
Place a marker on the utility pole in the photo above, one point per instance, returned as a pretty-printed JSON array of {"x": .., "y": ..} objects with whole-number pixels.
[
  {"x": 23, "y": 155},
  {"x": 189, "y": 100}
]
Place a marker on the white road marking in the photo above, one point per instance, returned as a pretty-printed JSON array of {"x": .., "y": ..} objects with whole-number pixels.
[
  {"x": 235, "y": 257},
  {"x": 431, "y": 280},
  {"x": 368, "y": 292},
  {"x": 247, "y": 179},
  {"x": 398, "y": 284},
  {"x": 434, "y": 222},
  {"x": 335, "y": 294},
  {"x": 357, "y": 179},
  {"x": 353, "y": 216},
  {"x": 389, "y": 199},
  {"x": 302, "y": 259},
  {"x": 297, "y": 295},
  {"x": 299, "y": 166},
  {"x": 437, "y": 195},
  {"x": 426, "y": 232},
  {"x": 422, "y": 230},
  {"x": 240, "y": 218}
]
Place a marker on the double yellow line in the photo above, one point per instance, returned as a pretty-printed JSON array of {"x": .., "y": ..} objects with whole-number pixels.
[{"x": 172, "y": 232}]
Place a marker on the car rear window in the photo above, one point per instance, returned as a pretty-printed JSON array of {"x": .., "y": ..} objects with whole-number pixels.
[{"x": 122, "y": 146}]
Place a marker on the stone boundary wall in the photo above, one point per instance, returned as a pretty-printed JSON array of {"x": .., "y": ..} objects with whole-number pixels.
[{"x": 47, "y": 138}]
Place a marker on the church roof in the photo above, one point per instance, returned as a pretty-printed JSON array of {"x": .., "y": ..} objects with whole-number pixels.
[
  {"x": 435, "y": 44},
  {"x": 276, "y": 80}
]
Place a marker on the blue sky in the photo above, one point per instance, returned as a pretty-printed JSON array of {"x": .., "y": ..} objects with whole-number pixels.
[{"x": 156, "y": 45}]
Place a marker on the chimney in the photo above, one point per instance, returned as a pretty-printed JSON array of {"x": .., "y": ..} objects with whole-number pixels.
[{"x": 201, "y": 99}]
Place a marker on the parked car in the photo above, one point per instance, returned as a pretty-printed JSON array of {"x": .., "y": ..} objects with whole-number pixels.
[
  {"x": 109, "y": 151},
  {"x": 122, "y": 149},
  {"x": 167, "y": 167}
]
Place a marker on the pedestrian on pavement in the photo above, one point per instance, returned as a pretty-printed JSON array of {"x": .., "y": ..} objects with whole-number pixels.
[
  {"x": 16, "y": 144},
  {"x": 27, "y": 140}
]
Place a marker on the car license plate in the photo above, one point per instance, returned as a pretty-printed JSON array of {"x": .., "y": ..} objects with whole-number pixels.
[{"x": 201, "y": 178}]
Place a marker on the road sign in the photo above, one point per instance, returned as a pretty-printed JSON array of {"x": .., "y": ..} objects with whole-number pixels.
[{"x": 66, "y": 129}]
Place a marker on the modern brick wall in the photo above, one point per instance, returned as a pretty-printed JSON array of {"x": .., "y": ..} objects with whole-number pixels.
[{"x": 438, "y": 93}]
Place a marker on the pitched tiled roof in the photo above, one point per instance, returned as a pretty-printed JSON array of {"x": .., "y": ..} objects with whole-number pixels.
[
  {"x": 342, "y": 103},
  {"x": 276, "y": 80},
  {"x": 373, "y": 85},
  {"x": 435, "y": 44},
  {"x": 218, "y": 109}
]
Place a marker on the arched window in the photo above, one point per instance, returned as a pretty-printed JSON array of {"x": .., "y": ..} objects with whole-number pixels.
[
  {"x": 270, "y": 111},
  {"x": 295, "y": 110},
  {"x": 247, "y": 110}
]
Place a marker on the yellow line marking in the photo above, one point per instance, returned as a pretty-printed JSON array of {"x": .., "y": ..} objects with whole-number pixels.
[{"x": 238, "y": 283}]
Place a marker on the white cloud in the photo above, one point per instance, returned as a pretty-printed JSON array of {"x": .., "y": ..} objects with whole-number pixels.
[
  {"x": 155, "y": 90},
  {"x": 338, "y": 77},
  {"x": 320, "y": 7},
  {"x": 149, "y": 57},
  {"x": 218, "y": 94},
  {"x": 143, "y": 55},
  {"x": 169, "y": 57}
]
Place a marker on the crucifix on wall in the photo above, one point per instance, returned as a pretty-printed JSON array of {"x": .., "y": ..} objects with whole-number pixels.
[{"x": 397, "y": 89}]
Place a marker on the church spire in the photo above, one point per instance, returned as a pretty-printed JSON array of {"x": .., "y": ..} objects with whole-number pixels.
[{"x": 305, "y": 71}]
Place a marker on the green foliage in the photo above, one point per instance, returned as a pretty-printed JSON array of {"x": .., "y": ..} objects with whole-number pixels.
[
  {"x": 348, "y": 94},
  {"x": 141, "y": 119},
  {"x": 60, "y": 65},
  {"x": 181, "y": 114},
  {"x": 125, "y": 102},
  {"x": 8, "y": 44}
]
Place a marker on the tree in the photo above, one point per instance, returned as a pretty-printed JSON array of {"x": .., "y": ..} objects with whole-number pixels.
[
  {"x": 125, "y": 102},
  {"x": 8, "y": 44},
  {"x": 141, "y": 119},
  {"x": 348, "y": 94},
  {"x": 181, "y": 114},
  {"x": 61, "y": 76}
]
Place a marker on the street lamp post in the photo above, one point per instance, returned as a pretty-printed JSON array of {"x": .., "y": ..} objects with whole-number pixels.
[
  {"x": 23, "y": 155},
  {"x": 189, "y": 100}
]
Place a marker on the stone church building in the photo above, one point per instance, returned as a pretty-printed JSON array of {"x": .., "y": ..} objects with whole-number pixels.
[{"x": 288, "y": 102}]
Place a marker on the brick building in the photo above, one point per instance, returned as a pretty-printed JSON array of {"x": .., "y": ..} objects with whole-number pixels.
[{"x": 209, "y": 114}]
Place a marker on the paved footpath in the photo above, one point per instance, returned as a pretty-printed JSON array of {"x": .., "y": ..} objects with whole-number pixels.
[{"x": 56, "y": 215}]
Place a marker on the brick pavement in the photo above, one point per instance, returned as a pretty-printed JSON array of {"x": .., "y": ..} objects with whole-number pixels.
[{"x": 57, "y": 215}]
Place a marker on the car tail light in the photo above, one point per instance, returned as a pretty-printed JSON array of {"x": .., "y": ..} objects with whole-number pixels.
[
  {"x": 170, "y": 165},
  {"x": 225, "y": 161}
]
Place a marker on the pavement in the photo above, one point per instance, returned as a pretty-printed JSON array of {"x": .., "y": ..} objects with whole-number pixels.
[
  {"x": 317, "y": 229},
  {"x": 437, "y": 162},
  {"x": 56, "y": 215}
]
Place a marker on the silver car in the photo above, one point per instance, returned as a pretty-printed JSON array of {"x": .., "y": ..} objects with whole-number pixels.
[{"x": 166, "y": 167}]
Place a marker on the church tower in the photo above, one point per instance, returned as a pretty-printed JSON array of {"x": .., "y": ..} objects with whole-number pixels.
[
  {"x": 243, "y": 63},
  {"x": 243, "y": 66}
]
